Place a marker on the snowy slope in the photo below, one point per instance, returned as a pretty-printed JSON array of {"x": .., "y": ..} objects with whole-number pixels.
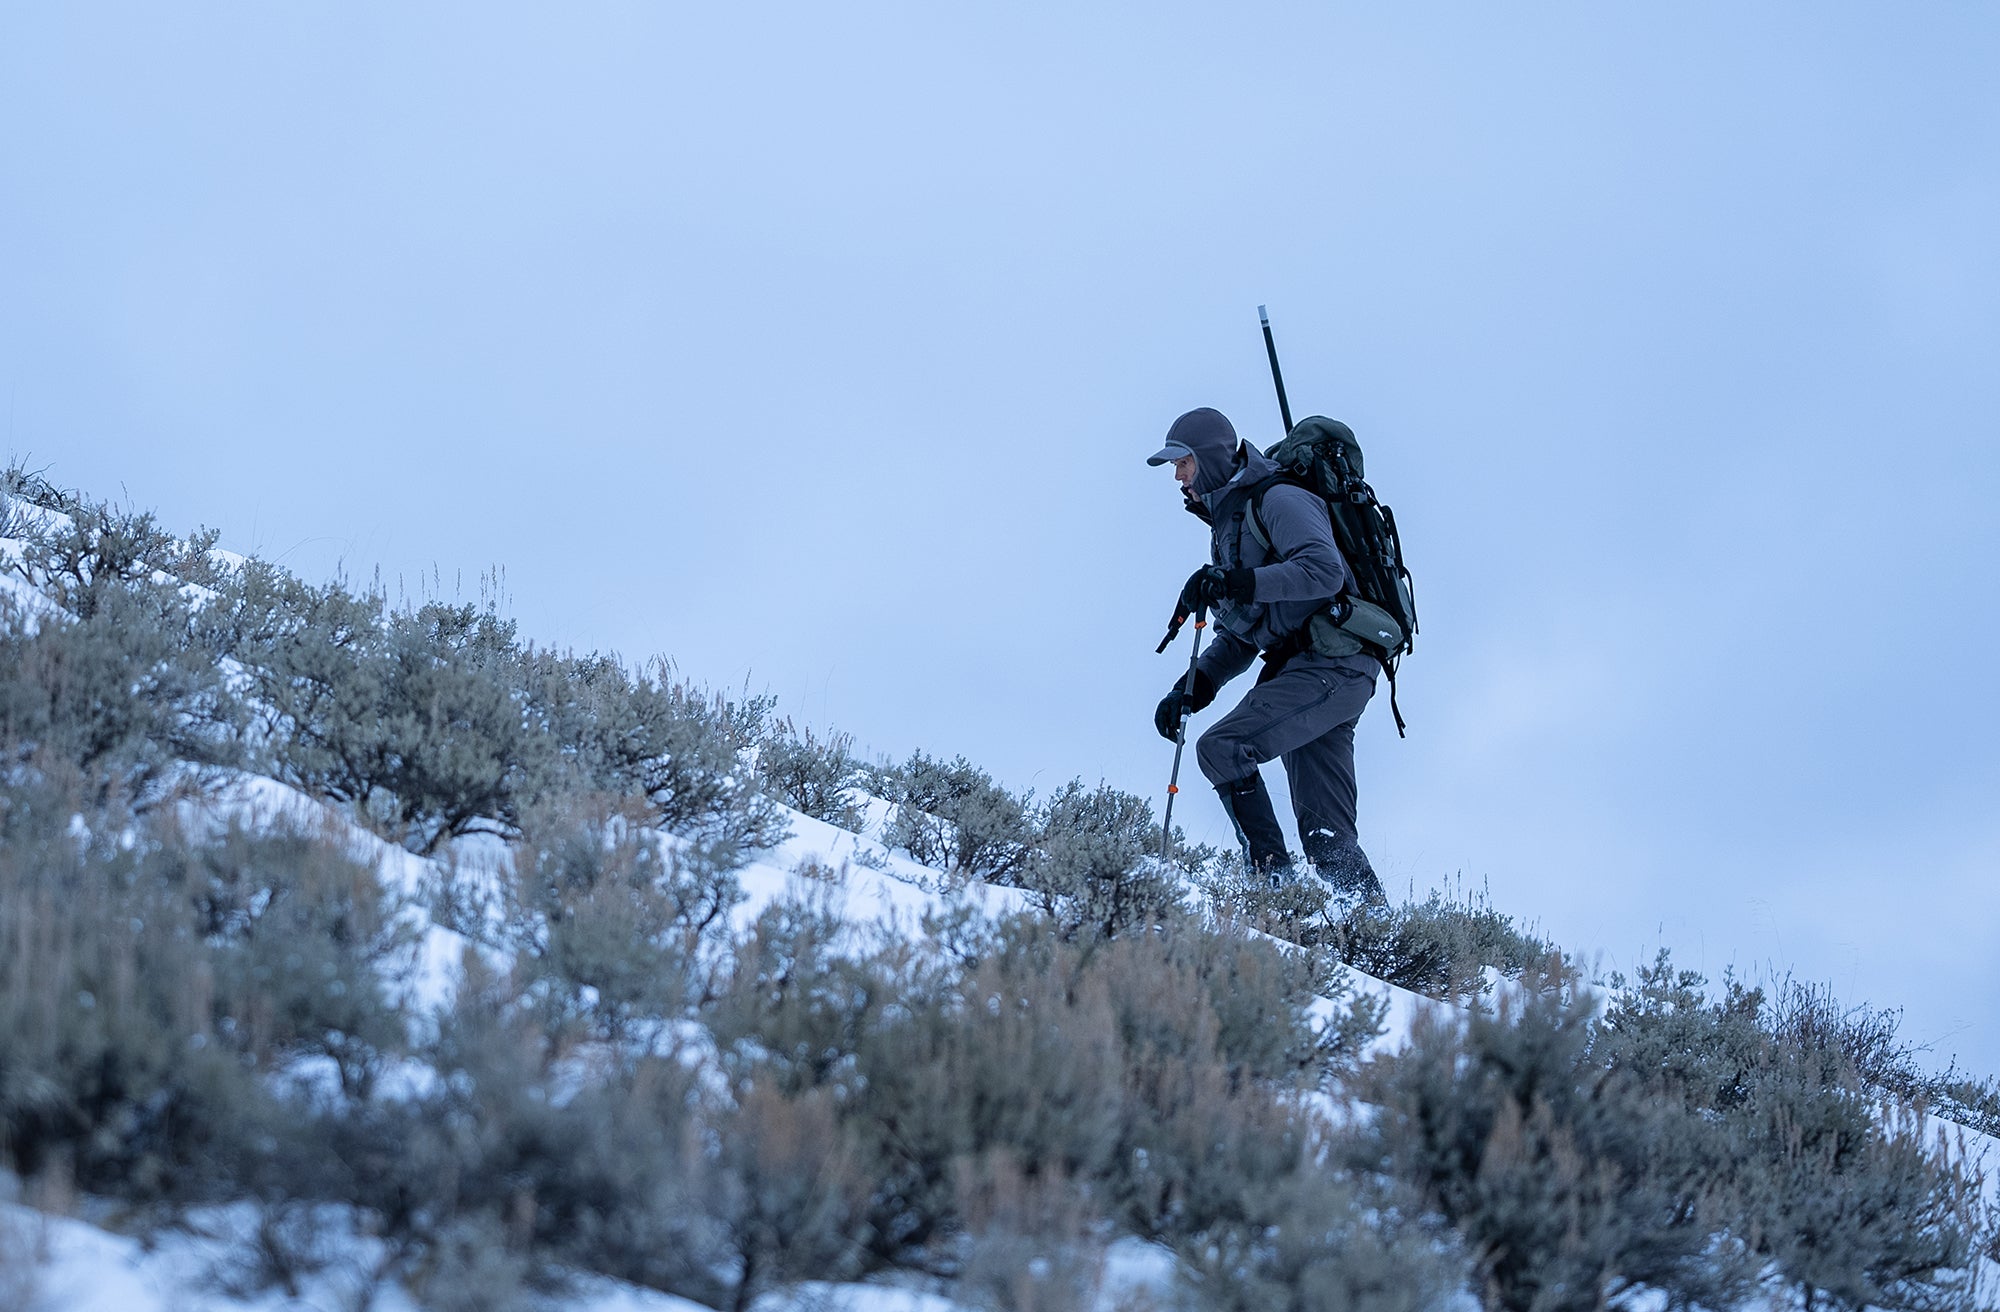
[
  {"x": 79, "y": 1267},
  {"x": 86, "y": 1269}
]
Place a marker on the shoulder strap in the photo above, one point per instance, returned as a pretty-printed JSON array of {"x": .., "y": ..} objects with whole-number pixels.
[{"x": 1256, "y": 510}]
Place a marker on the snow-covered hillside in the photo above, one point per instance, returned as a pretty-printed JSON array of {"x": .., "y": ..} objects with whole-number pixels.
[
  {"x": 76, "y": 1266},
  {"x": 551, "y": 880}
]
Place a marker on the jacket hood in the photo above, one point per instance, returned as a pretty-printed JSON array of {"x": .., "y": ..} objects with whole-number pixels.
[{"x": 1248, "y": 465}]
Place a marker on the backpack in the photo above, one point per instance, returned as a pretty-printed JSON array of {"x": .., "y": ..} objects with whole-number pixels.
[{"x": 1378, "y": 614}]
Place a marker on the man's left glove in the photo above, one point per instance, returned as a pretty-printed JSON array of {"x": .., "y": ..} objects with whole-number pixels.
[
  {"x": 1181, "y": 703},
  {"x": 1212, "y": 583}
]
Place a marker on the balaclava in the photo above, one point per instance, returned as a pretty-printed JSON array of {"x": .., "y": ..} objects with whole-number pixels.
[{"x": 1208, "y": 436}]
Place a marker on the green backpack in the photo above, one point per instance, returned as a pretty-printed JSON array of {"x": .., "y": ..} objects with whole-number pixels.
[{"x": 1378, "y": 615}]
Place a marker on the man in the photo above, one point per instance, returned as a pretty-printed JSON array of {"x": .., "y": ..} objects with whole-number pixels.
[{"x": 1305, "y": 705}]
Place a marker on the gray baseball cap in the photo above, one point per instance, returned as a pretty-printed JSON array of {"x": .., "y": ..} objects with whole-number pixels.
[{"x": 1169, "y": 453}]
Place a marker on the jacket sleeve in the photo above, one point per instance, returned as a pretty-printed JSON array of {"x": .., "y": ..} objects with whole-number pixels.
[
  {"x": 1306, "y": 565},
  {"x": 1226, "y": 657}
]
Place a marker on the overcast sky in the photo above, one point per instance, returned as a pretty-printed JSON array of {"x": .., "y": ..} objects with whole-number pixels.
[{"x": 819, "y": 348}]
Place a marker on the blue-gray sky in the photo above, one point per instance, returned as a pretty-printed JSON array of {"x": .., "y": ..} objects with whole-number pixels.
[{"x": 819, "y": 348}]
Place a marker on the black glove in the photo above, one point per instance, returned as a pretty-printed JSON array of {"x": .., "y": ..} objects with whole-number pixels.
[
  {"x": 1180, "y": 703},
  {"x": 1212, "y": 583}
]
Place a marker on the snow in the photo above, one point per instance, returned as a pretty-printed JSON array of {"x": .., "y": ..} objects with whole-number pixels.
[
  {"x": 39, "y": 519},
  {"x": 81, "y": 1267},
  {"x": 1980, "y": 1152},
  {"x": 870, "y": 883},
  {"x": 88, "y": 1269},
  {"x": 813, "y": 1296},
  {"x": 1404, "y": 1008},
  {"x": 1135, "y": 1270},
  {"x": 84, "y": 1268},
  {"x": 428, "y": 980},
  {"x": 17, "y": 591}
]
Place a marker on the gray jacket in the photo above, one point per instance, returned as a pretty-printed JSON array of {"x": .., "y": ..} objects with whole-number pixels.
[{"x": 1296, "y": 578}]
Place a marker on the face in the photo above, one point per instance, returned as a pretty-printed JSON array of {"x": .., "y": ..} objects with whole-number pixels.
[{"x": 1184, "y": 472}]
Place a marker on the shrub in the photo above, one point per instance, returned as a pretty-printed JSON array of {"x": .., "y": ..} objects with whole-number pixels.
[
  {"x": 124, "y": 695},
  {"x": 1086, "y": 854},
  {"x": 525, "y": 1157},
  {"x": 815, "y": 776},
  {"x": 1852, "y": 1211},
  {"x": 1318, "y": 1241},
  {"x": 287, "y": 1244},
  {"x": 150, "y": 982},
  {"x": 1033, "y": 1240},
  {"x": 1149, "y": 1071},
  {"x": 613, "y": 929},
  {"x": 1094, "y": 868},
  {"x": 312, "y": 658},
  {"x": 1958, "y": 1096},
  {"x": 694, "y": 774},
  {"x": 1568, "y": 1182},
  {"x": 953, "y": 817},
  {"x": 436, "y": 724},
  {"x": 460, "y": 755},
  {"x": 1854, "y": 1203},
  {"x": 100, "y": 552},
  {"x": 303, "y": 944},
  {"x": 1440, "y": 947},
  {"x": 472, "y": 1264},
  {"x": 111, "y": 1070},
  {"x": 931, "y": 1066},
  {"x": 351, "y": 705},
  {"x": 16, "y": 521},
  {"x": 1834, "y": 1189},
  {"x": 32, "y": 486},
  {"x": 1218, "y": 1038},
  {"x": 788, "y": 1194},
  {"x": 1865, "y": 1041},
  {"x": 661, "y": 739}
]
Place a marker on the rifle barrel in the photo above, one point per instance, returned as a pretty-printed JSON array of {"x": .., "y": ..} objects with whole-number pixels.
[{"x": 1277, "y": 377}]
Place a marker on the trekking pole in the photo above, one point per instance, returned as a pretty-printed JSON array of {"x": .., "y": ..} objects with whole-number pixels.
[
  {"x": 1271, "y": 349},
  {"x": 1180, "y": 731}
]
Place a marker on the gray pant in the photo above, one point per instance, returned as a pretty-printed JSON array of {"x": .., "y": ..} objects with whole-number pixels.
[{"x": 1305, "y": 715}]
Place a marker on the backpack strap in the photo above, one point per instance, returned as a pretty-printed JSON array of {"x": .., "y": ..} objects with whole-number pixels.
[
  {"x": 1256, "y": 520},
  {"x": 1389, "y": 668},
  {"x": 1301, "y": 638}
]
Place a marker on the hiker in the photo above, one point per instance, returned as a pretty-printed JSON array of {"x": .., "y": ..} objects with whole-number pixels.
[{"x": 1304, "y": 706}]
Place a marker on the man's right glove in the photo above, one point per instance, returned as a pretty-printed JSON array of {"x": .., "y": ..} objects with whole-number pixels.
[
  {"x": 1180, "y": 703},
  {"x": 1212, "y": 583}
]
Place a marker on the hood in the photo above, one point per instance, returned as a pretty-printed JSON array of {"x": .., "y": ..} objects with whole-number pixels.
[
  {"x": 1249, "y": 465},
  {"x": 1210, "y": 438}
]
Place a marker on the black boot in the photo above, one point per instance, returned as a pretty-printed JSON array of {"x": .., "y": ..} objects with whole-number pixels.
[
  {"x": 1345, "y": 868},
  {"x": 1249, "y": 808}
]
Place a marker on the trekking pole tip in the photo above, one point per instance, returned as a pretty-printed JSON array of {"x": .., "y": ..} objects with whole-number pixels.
[{"x": 1263, "y": 316}]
